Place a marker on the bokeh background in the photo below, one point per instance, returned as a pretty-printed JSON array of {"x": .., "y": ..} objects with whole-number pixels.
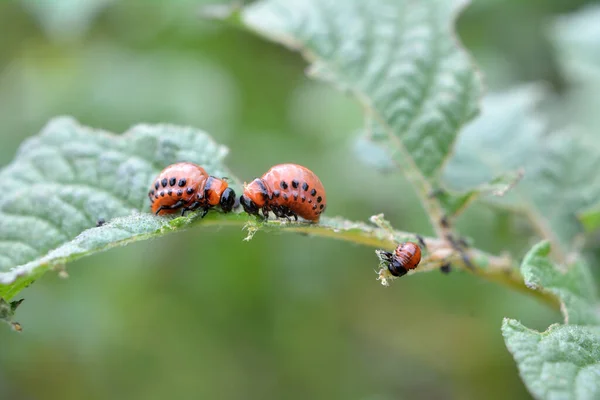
[{"x": 201, "y": 314}]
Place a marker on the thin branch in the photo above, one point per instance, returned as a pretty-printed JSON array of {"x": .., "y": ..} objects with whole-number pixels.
[
  {"x": 378, "y": 235},
  {"x": 499, "y": 269}
]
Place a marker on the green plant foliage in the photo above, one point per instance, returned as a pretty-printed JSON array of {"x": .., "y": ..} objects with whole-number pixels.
[
  {"x": 82, "y": 176},
  {"x": 564, "y": 361},
  {"x": 398, "y": 58},
  {"x": 69, "y": 177},
  {"x": 7, "y": 312},
  {"x": 561, "y": 363},
  {"x": 560, "y": 169},
  {"x": 590, "y": 218},
  {"x": 418, "y": 88},
  {"x": 576, "y": 39},
  {"x": 420, "y": 94},
  {"x": 403, "y": 63},
  {"x": 573, "y": 284}
]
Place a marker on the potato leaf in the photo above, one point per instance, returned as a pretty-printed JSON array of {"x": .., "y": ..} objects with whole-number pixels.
[
  {"x": 69, "y": 177},
  {"x": 560, "y": 167}
]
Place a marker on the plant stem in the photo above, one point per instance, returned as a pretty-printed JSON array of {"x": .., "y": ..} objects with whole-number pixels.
[
  {"x": 498, "y": 269},
  {"x": 379, "y": 235}
]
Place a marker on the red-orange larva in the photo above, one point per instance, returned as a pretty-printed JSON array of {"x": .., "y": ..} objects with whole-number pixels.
[
  {"x": 407, "y": 256},
  {"x": 288, "y": 190},
  {"x": 185, "y": 186}
]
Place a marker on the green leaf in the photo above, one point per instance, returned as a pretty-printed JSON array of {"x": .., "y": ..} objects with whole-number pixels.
[
  {"x": 564, "y": 361},
  {"x": 573, "y": 284},
  {"x": 373, "y": 155},
  {"x": 576, "y": 37},
  {"x": 399, "y": 58},
  {"x": 560, "y": 167},
  {"x": 455, "y": 202},
  {"x": 502, "y": 137},
  {"x": 590, "y": 218},
  {"x": 561, "y": 363},
  {"x": 68, "y": 177},
  {"x": 372, "y": 148},
  {"x": 7, "y": 312}
]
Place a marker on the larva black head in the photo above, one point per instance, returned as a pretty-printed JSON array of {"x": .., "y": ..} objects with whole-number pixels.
[
  {"x": 396, "y": 268},
  {"x": 393, "y": 264},
  {"x": 249, "y": 206},
  {"x": 227, "y": 199}
]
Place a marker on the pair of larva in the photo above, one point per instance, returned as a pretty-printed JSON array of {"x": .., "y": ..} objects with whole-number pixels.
[{"x": 287, "y": 190}]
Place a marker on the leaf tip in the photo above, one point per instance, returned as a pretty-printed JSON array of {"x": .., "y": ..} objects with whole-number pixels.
[
  {"x": 510, "y": 326},
  {"x": 512, "y": 181},
  {"x": 541, "y": 249},
  {"x": 7, "y": 312}
]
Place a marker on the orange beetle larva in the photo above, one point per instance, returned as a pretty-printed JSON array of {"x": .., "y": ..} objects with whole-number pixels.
[
  {"x": 288, "y": 190},
  {"x": 188, "y": 186},
  {"x": 407, "y": 256}
]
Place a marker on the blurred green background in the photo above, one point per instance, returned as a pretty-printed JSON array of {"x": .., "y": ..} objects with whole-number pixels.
[{"x": 202, "y": 314}]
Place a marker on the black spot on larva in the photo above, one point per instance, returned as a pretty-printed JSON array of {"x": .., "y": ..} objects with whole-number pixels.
[
  {"x": 321, "y": 206},
  {"x": 190, "y": 190},
  {"x": 295, "y": 195},
  {"x": 162, "y": 193},
  {"x": 265, "y": 195},
  {"x": 283, "y": 185},
  {"x": 305, "y": 186},
  {"x": 313, "y": 192},
  {"x": 315, "y": 207},
  {"x": 319, "y": 199},
  {"x": 164, "y": 182},
  {"x": 182, "y": 182},
  {"x": 295, "y": 184},
  {"x": 303, "y": 198},
  {"x": 172, "y": 181},
  {"x": 156, "y": 196},
  {"x": 170, "y": 192},
  {"x": 285, "y": 196},
  {"x": 276, "y": 193},
  {"x": 152, "y": 192},
  {"x": 156, "y": 185},
  {"x": 309, "y": 201},
  {"x": 180, "y": 193}
]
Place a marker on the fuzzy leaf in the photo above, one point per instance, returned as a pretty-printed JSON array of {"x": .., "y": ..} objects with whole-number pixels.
[
  {"x": 68, "y": 177},
  {"x": 564, "y": 361},
  {"x": 399, "y": 58},
  {"x": 576, "y": 37},
  {"x": 455, "y": 202},
  {"x": 561, "y": 363},
  {"x": 573, "y": 286},
  {"x": 590, "y": 218},
  {"x": 560, "y": 168},
  {"x": 7, "y": 312}
]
